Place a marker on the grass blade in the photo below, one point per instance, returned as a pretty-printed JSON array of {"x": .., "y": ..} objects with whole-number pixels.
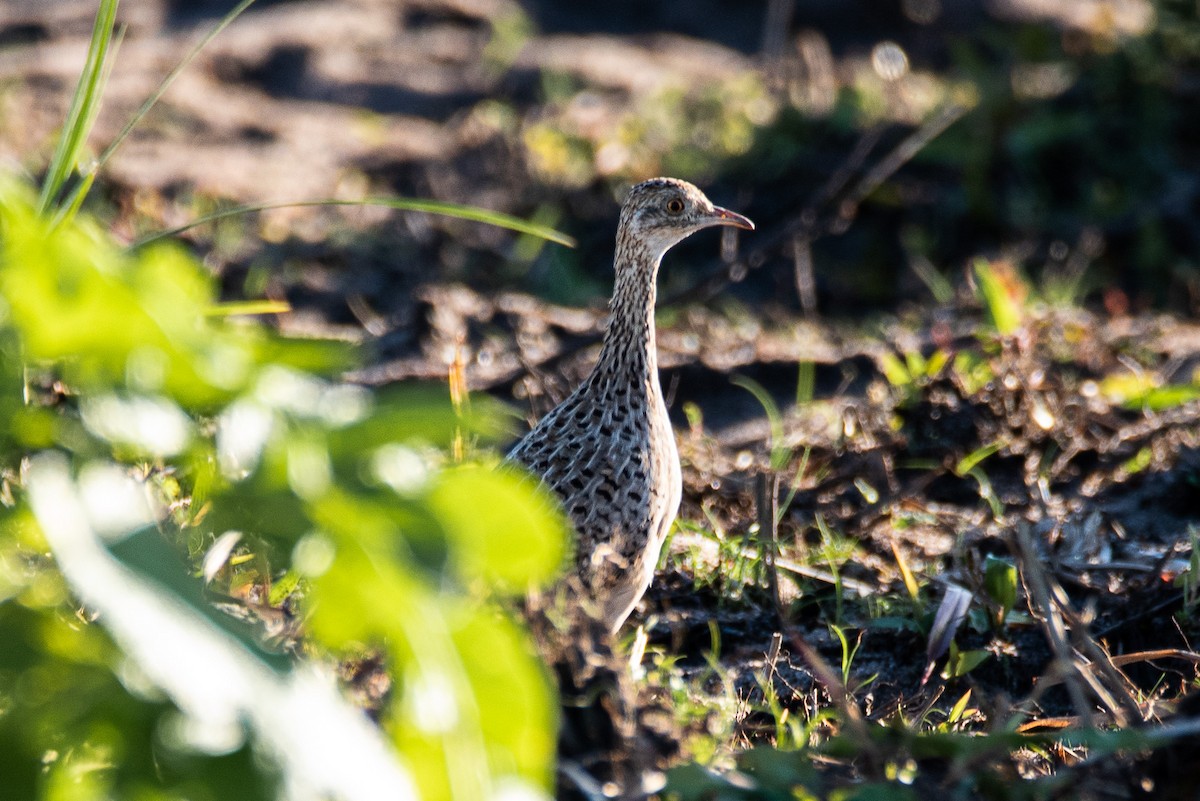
[
  {"x": 910, "y": 581},
  {"x": 806, "y": 379},
  {"x": 1003, "y": 295},
  {"x": 245, "y": 307},
  {"x": 971, "y": 460},
  {"x": 84, "y": 105},
  {"x": 454, "y": 210},
  {"x": 779, "y": 451},
  {"x": 81, "y": 190}
]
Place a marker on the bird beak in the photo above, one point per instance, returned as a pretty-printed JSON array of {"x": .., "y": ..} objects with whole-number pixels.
[{"x": 726, "y": 217}]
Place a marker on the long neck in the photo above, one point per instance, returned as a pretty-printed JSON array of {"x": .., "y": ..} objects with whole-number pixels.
[{"x": 629, "y": 353}]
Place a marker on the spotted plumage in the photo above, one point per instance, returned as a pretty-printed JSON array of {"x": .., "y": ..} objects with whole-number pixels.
[{"x": 608, "y": 449}]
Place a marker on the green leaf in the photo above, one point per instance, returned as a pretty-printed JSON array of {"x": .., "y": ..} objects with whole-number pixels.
[
  {"x": 517, "y": 709},
  {"x": 1163, "y": 398},
  {"x": 504, "y": 527},
  {"x": 1002, "y": 297},
  {"x": 960, "y": 663},
  {"x": 388, "y": 526},
  {"x": 894, "y": 370},
  {"x": 987, "y": 492},
  {"x": 1000, "y": 581},
  {"x": 915, "y": 363},
  {"x": 960, "y": 706},
  {"x": 875, "y": 792},
  {"x": 971, "y": 460},
  {"x": 972, "y": 370},
  {"x": 419, "y": 413},
  {"x": 692, "y": 782},
  {"x": 66, "y": 283},
  {"x": 283, "y": 587},
  {"x": 1139, "y": 461},
  {"x": 472, "y": 707},
  {"x": 779, "y": 771},
  {"x": 937, "y": 362},
  {"x": 258, "y": 508}
]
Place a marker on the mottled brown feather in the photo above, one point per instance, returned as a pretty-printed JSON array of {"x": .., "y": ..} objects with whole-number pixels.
[{"x": 608, "y": 449}]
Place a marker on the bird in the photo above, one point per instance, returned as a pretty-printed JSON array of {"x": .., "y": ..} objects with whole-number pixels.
[{"x": 608, "y": 450}]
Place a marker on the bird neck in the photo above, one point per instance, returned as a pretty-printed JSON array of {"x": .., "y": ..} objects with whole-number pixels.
[{"x": 629, "y": 353}]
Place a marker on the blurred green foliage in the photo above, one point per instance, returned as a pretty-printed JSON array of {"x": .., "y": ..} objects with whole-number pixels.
[
  {"x": 1078, "y": 154},
  {"x": 1083, "y": 137},
  {"x": 343, "y": 494}
]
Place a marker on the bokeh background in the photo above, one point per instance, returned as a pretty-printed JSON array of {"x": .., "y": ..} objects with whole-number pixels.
[{"x": 880, "y": 145}]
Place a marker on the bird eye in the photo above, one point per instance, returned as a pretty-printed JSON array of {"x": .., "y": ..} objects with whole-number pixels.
[{"x": 675, "y": 205}]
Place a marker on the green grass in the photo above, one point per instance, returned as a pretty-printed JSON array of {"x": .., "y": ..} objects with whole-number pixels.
[
  {"x": 453, "y": 210},
  {"x": 81, "y": 114}
]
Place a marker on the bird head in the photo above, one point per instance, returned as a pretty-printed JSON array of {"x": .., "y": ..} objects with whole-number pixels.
[{"x": 663, "y": 211}]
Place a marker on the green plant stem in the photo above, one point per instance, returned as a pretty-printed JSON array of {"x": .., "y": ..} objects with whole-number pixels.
[
  {"x": 84, "y": 105},
  {"x": 81, "y": 189},
  {"x": 403, "y": 204}
]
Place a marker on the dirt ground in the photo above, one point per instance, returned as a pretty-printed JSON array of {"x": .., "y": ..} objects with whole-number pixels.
[{"x": 1046, "y": 447}]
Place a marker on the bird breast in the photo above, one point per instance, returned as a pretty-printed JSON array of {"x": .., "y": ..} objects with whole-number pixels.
[{"x": 609, "y": 453}]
